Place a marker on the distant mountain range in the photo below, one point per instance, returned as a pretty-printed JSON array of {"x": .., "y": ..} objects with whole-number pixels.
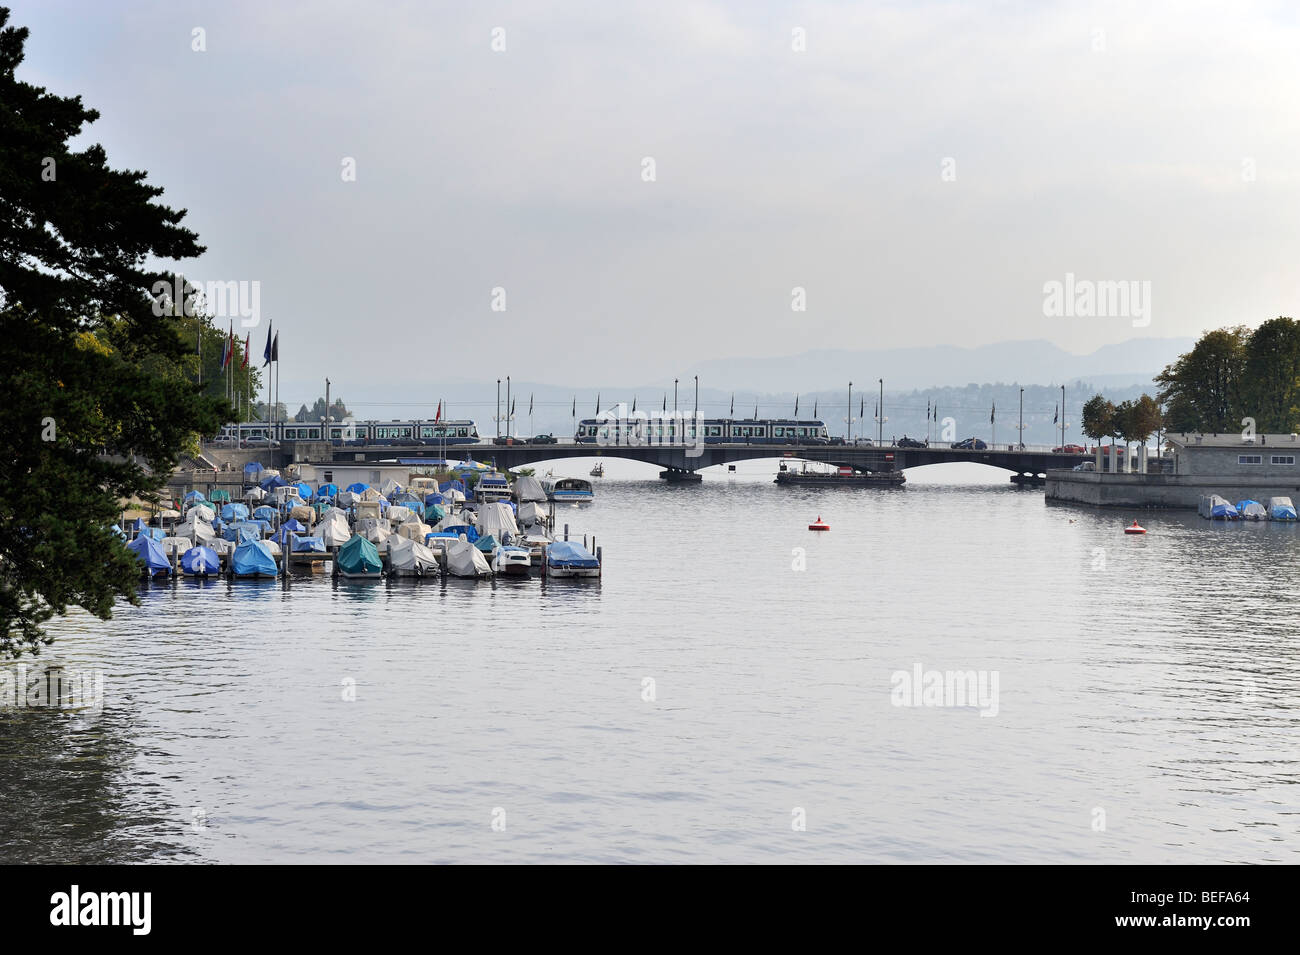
[{"x": 1026, "y": 362}]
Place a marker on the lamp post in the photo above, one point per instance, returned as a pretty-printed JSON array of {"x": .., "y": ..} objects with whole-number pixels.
[
  {"x": 1021, "y": 427},
  {"x": 880, "y": 416},
  {"x": 697, "y": 396},
  {"x": 498, "y": 407},
  {"x": 848, "y": 417},
  {"x": 509, "y": 416},
  {"x": 674, "y": 397},
  {"x": 1062, "y": 415}
]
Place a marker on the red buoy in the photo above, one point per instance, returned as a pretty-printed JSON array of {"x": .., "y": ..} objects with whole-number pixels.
[
  {"x": 819, "y": 525},
  {"x": 1135, "y": 528}
]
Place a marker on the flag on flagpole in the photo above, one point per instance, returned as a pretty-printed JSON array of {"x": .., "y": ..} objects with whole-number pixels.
[
  {"x": 993, "y": 411},
  {"x": 574, "y": 412},
  {"x": 862, "y": 406},
  {"x": 814, "y": 407},
  {"x": 665, "y": 401},
  {"x": 275, "y": 351},
  {"x": 225, "y": 353},
  {"x": 438, "y": 417},
  {"x": 732, "y": 412},
  {"x": 266, "y": 352},
  {"x": 247, "y": 340},
  {"x": 796, "y": 406},
  {"x": 634, "y": 404},
  {"x": 598, "y": 402},
  {"x": 530, "y": 403},
  {"x": 927, "y": 409},
  {"x": 755, "y": 411},
  {"x": 1056, "y": 413}
]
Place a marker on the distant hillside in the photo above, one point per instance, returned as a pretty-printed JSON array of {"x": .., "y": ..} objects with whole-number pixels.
[{"x": 1036, "y": 362}]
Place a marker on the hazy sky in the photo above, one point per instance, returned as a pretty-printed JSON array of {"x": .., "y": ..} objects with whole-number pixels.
[{"x": 1152, "y": 142}]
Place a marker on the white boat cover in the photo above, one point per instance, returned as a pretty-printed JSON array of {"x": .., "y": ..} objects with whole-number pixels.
[
  {"x": 390, "y": 487},
  {"x": 374, "y": 529},
  {"x": 370, "y": 494},
  {"x": 195, "y": 530},
  {"x": 530, "y": 513},
  {"x": 414, "y": 529},
  {"x": 254, "y": 494},
  {"x": 333, "y": 528},
  {"x": 168, "y": 513},
  {"x": 466, "y": 560},
  {"x": 201, "y": 512},
  {"x": 179, "y": 544},
  {"x": 1253, "y": 511},
  {"x": 453, "y": 495},
  {"x": 528, "y": 488},
  {"x": 346, "y": 498},
  {"x": 409, "y": 555},
  {"x": 273, "y": 547},
  {"x": 498, "y": 520},
  {"x": 287, "y": 492},
  {"x": 221, "y": 546},
  {"x": 397, "y": 514}
]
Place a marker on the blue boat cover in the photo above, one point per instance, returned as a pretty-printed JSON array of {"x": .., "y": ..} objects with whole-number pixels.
[
  {"x": 273, "y": 482},
  {"x": 487, "y": 544},
  {"x": 254, "y": 468},
  {"x": 200, "y": 560},
  {"x": 357, "y": 488},
  {"x": 327, "y": 490},
  {"x": 264, "y": 513},
  {"x": 470, "y": 532},
  {"x": 139, "y": 524},
  {"x": 195, "y": 496},
  {"x": 253, "y": 558},
  {"x": 293, "y": 524},
  {"x": 1223, "y": 510},
  {"x": 150, "y": 553},
  {"x": 309, "y": 545},
  {"x": 118, "y": 531},
  {"x": 1280, "y": 512},
  {"x": 569, "y": 554},
  {"x": 433, "y": 513},
  {"x": 432, "y": 499},
  {"x": 234, "y": 511},
  {"x": 446, "y": 486},
  {"x": 359, "y": 556}
]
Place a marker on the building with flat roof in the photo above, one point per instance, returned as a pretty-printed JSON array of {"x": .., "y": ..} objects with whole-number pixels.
[{"x": 1235, "y": 466}]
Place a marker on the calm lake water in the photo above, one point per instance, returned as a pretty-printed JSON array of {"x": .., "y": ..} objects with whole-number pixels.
[{"x": 1146, "y": 706}]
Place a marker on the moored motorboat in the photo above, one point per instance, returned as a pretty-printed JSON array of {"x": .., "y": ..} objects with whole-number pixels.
[
  {"x": 568, "y": 490},
  {"x": 570, "y": 559},
  {"x": 513, "y": 562}
]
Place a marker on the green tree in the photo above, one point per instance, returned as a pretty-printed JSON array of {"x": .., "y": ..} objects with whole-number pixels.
[
  {"x": 1144, "y": 419},
  {"x": 1271, "y": 387},
  {"x": 1202, "y": 390},
  {"x": 82, "y": 342},
  {"x": 1098, "y": 418}
]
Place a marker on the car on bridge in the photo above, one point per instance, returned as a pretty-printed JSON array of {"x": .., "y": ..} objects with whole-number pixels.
[
  {"x": 970, "y": 444},
  {"x": 1070, "y": 449},
  {"x": 906, "y": 442},
  {"x": 543, "y": 439}
]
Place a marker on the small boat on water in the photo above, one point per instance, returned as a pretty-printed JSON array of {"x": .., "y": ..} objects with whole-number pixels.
[
  {"x": 1281, "y": 509},
  {"x": 410, "y": 558},
  {"x": 843, "y": 477},
  {"x": 1216, "y": 508},
  {"x": 153, "y": 559},
  {"x": 1251, "y": 510},
  {"x": 200, "y": 562},
  {"x": 466, "y": 560},
  {"x": 358, "y": 559},
  {"x": 819, "y": 525},
  {"x": 1135, "y": 528},
  {"x": 568, "y": 490},
  {"x": 513, "y": 562},
  {"x": 253, "y": 559},
  {"x": 570, "y": 559},
  {"x": 598, "y": 470}
]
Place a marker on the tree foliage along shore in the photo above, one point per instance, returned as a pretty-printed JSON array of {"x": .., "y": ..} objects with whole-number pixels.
[
  {"x": 1235, "y": 373},
  {"x": 100, "y": 407},
  {"x": 1230, "y": 375}
]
